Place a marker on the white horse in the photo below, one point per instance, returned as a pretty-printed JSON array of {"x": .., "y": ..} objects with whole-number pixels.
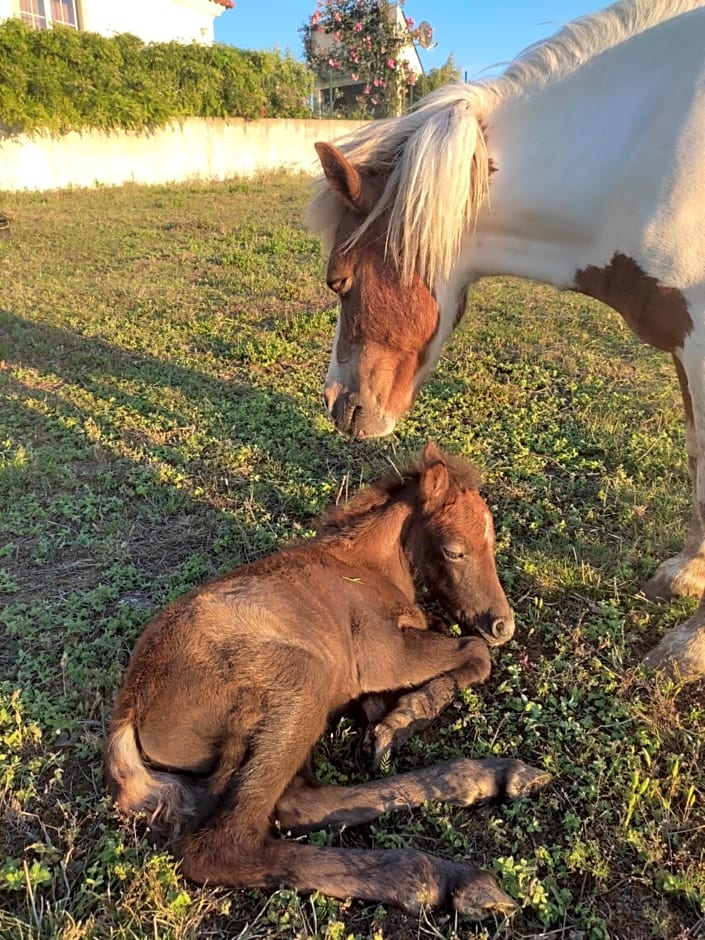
[{"x": 582, "y": 166}]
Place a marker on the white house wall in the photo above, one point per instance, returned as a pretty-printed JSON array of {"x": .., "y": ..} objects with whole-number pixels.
[
  {"x": 195, "y": 149},
  {"x": 152, "y": 20}
]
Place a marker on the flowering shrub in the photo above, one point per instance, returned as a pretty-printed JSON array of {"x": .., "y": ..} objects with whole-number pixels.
[{"x": 362, "y": 40}]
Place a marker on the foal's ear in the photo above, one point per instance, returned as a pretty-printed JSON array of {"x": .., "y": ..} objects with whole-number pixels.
[
  {"x": 431, "y": 454},
  {"x": 434, "y": 482},
  {"x": 342, "y": 176}
]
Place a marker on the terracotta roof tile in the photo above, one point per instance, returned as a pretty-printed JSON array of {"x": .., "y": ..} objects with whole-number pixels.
[{"x": 228, "y": 4}]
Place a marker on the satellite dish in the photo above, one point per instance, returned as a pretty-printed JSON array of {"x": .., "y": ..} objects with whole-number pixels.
[{"x": 425, "y": 35}]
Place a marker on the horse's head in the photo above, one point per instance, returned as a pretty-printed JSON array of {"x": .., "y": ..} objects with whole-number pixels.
[
  {"x": 386, "y": 322},
  {"x": 452, "y": 546}
]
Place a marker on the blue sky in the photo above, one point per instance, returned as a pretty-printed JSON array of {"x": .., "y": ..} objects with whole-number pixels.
[{"x": 480, "y": 33}]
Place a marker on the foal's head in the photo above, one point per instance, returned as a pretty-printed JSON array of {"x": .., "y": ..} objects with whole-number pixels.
[{"x": 451, "y": 545}]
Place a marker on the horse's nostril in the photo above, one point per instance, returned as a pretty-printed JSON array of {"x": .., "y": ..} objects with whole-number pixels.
[
  {"x": 501, "y": 629},
  {"x": 329, "y": 398}
]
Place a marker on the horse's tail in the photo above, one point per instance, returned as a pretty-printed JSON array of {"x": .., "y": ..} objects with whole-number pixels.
[{"x": 166, "y": 797}]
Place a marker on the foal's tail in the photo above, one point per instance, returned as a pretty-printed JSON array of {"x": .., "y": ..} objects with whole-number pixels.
[{"x": 135, "y": 787}]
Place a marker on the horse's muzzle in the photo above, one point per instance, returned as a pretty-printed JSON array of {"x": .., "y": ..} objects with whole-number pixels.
[{"x": 352, "y": 417}]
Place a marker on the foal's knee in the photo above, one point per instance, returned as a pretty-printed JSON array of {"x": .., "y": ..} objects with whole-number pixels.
[{"x": 478, "y": 664}]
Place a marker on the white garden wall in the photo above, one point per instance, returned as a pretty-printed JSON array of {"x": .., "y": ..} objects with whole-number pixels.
[{"x": 194, "y": 149}]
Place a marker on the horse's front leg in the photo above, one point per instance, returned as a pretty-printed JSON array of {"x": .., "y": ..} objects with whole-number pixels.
[
  {"x": 375, "y": 705},
  {"x": 432, "y": 666},
  {"x": 682, "y": 650}
]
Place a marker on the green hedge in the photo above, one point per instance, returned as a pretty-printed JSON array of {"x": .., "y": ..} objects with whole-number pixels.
[{"x": 60, "y": 80}]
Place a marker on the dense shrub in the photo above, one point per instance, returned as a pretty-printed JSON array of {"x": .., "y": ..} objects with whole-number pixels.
[{"x": 61, "y": 80}]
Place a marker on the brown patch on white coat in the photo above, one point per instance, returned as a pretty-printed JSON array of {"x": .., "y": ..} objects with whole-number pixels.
[{"x": 658, "y": 315}]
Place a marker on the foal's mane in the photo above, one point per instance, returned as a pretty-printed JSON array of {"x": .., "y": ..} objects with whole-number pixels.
[
  {"x": 434, "y": 158},
  {"x": 349, "y": 515}
]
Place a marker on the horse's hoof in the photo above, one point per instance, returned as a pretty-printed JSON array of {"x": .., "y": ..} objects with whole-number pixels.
[
  {"x": 658, "y": 588},
  {"x": 677, "y": 577},
  {"x": 681, "y": 653},
  {"x": 478, "y": 896},
  {"x": 522, "y": 779}
]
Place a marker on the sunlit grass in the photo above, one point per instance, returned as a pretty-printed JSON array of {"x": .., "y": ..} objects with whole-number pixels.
[{"x": 162, "y": 353}]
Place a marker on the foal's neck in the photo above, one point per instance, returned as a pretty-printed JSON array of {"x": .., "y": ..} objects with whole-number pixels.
[{"x": 376, "y": 542}]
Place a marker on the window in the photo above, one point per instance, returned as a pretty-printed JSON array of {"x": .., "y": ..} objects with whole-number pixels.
[{"x": 41, "y": 14}]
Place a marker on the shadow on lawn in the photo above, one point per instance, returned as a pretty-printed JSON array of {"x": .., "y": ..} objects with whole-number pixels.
[
  {"x": 127, "y": 472},
  {"x": 174, "y": 399}
]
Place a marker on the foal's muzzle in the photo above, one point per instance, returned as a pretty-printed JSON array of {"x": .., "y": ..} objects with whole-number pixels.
[{"x": 495, "y": 631}]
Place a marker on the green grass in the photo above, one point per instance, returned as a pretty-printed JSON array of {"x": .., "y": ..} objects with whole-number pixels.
[{"x": 162, "y": 356}]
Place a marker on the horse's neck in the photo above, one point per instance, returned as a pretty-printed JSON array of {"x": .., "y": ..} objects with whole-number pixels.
[
  {"x": 377, "y": 544},
  {"x": 580, "y": 164}
]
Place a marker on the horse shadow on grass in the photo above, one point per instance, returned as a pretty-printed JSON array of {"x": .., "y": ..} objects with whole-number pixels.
[{"x": 129, "y": 479}]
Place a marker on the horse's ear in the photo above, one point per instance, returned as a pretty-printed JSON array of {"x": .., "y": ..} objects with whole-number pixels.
[
  {"x": 434, "y": 482},
  {"x": 342, "y": 175}
]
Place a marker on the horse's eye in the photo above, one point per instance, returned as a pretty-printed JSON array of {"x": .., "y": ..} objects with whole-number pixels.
[
  {"x": 340, "y": 285},
  {"x": 452, "y": 552}
]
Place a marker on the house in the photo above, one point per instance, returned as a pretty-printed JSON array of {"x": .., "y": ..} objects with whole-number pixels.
[
  {"x": 336, "y": 89},
  {"x": 151, "y": 20}
]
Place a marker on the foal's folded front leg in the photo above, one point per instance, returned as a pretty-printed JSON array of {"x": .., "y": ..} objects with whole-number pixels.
[{"x": 415, "y": 710}]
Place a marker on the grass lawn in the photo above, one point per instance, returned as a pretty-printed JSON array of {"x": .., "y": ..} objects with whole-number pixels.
[{"x": 162, "y": 353}]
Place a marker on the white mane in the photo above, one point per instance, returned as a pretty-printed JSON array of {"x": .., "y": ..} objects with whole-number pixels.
[{"x": 434, "y": 157}]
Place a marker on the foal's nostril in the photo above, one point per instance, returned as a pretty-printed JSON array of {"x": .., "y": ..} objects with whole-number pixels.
[{"x": 502, "y": 629}]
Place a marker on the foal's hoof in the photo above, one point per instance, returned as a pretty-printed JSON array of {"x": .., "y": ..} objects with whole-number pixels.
[
  {"x": 479, "y": 895},
  {"x": 390, "y": 734},
  {"x": 522, "y": 779},
  {"x": 681, "y": 653}
]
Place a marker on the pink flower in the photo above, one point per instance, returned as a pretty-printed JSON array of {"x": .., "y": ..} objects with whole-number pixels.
[
  {"x": 367, "y": 89},
  {"x": 390, "y": 63},
  {"x": 354, "y": 76},
  {"x": 376, "y": 82},
  {"x": 357, "y": 28},
  {"x": 410, "y": 21},
  {"x": 411, "y": 78},
  {"x": 373, "y": 100},
  {"x": 337, "y": 35},
  {"x": 337, "y": 17}
]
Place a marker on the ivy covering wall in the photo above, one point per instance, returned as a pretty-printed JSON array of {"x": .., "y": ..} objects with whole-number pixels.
[{"x": 60, "y": 80}]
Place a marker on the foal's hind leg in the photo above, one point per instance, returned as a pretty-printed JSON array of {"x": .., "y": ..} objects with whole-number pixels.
[
  {"x": 682, "y": 650},
  {"x": 235, "y": 847}
]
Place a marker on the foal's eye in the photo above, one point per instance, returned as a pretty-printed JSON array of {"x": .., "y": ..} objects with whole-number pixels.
[{"x": 452, "y": 552}]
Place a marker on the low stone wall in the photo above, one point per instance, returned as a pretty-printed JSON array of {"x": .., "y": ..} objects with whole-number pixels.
[{"x": 193, "y": 149}]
